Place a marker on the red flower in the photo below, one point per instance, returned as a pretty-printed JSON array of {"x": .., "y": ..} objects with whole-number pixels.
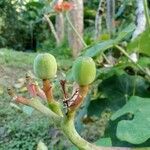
[
  {"x": 68, "y": 6},
  {"x": 58, "y": 7},
  {"x": 64, "y": 6}
]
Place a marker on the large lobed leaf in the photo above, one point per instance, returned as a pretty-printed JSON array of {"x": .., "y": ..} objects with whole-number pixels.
[
  {"x": 137, "y": 130},
  {"x": 116, "y": 90}
]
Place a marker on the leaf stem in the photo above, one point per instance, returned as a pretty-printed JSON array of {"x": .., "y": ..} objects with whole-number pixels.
[
  {"x": 74, "y": 29},
  {"x": 146, "y": 11},
  {"x": 52, "y": 28},
  {"x": 127, "y": 55},
  {"x": 105, "y": 57}
]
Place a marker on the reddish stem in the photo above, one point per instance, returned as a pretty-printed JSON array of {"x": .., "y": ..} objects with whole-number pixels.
[
  {"x": 47, "y": 88},
  {"x": 83, "y": 90},
  {"x": 63, "y": 85},
  {"x": 22, "y": 100}
]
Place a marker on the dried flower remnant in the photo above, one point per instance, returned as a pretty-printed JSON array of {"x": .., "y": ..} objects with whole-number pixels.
[{"x": 33, "y": 88}]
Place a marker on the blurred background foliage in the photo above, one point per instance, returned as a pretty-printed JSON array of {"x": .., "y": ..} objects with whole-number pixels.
[{"x": 22, "y": 26}]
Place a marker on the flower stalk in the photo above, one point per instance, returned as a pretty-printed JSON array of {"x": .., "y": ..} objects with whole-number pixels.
[
  {"x": 83, "y": 90},
  {"x": 53, "y": 105}
]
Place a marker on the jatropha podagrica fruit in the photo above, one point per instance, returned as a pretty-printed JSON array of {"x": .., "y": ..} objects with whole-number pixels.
[
  {"x": 45, "y": 66},
  {"x": 84, "y": 71}
]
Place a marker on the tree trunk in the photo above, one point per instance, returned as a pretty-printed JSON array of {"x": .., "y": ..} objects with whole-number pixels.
[
  {"x": 59, "y": 26},
  {"x": 141, "y": 19},
  {"x": 76, "y": 17},
  {"x": 140, "y": 25},
  {"x": 110, "y": 14},
  {"x": 98, "y": 20}
]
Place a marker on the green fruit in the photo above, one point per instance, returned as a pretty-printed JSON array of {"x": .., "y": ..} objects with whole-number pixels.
[
  {"x": 45, "y": 66},
  {"x": 84, "y": 70}
]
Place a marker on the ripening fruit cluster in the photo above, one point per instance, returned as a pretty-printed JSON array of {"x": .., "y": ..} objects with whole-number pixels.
[{"x": 84, "y": 69}]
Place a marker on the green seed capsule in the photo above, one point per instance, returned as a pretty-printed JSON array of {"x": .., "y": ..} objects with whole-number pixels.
[
  {"x": 45, "y": 66},
  {"x": 84, "y": 70}
]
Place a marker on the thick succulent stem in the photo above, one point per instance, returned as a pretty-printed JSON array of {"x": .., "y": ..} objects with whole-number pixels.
[{"x": 71, "y": 133}]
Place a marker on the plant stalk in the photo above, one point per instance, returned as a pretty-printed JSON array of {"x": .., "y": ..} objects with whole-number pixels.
[
  {"x": 146, "y": 11},
  {"x": 35, "y": 103},
  {"x": 71, "y": 133},
  {"x": 83, "y": 90},
  {"x": 127, "y": 55},
  {"x": 52, "y": 28},
  {"x": 74, "y": 29},
  {"x": 53, "y": 105}
]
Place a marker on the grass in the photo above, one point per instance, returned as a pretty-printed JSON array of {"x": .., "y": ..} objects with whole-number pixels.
[
  {"x": 21, "y": 59},
  {"x": 19, "y": 131},
  {"x": 16, "y": 59}
]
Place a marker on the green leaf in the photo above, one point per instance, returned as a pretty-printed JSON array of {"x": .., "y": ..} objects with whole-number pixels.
[
  {"x": 114, "y": 91},
  {"x": 104, "y": 142},
  {"x": 99, "y": 48},
  {"x": 125, "y": 32},
  {"x": 97, "y": 106},
  {"x": 137, "y": 130},
  {"x": 141, "y": 43},
  {"x": 118, "y": 88},
  {"x": 144, "y": 62},
  {"x": 102, "y": 46}
]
